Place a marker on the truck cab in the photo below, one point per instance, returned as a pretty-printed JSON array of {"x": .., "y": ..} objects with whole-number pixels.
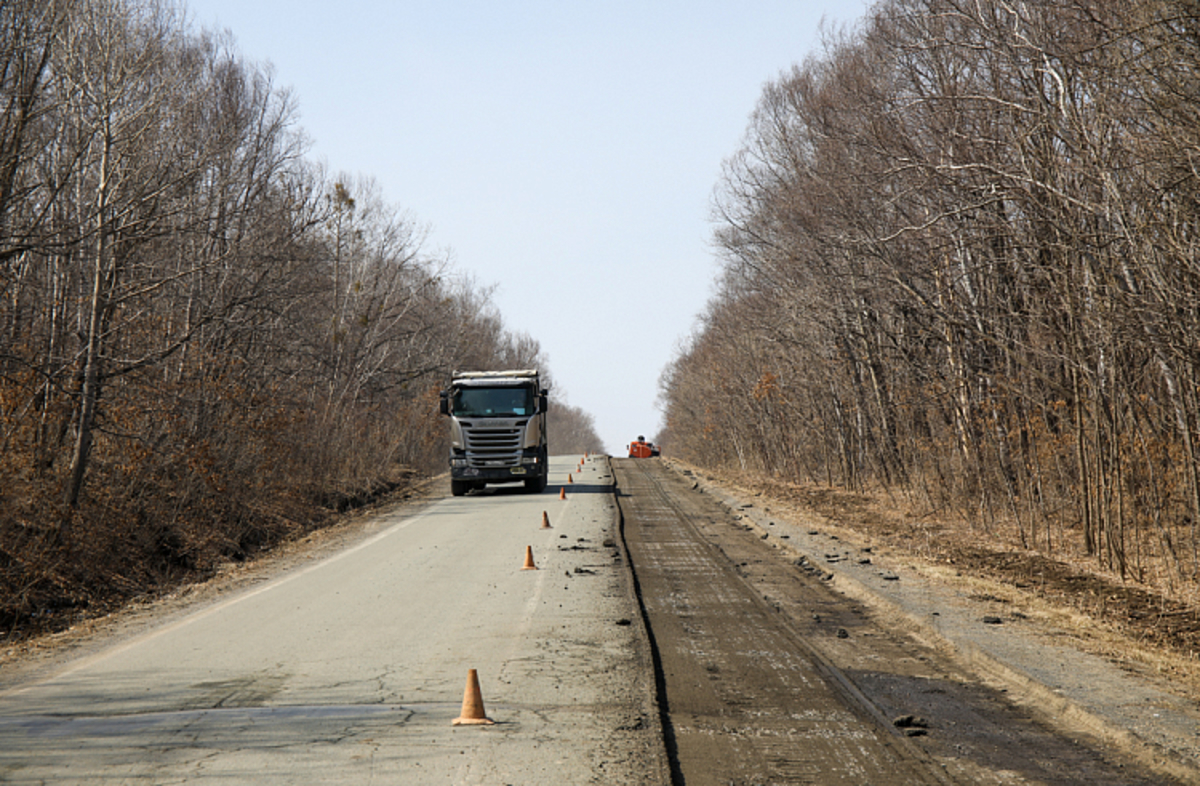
[{"x": 497, "y": 429}]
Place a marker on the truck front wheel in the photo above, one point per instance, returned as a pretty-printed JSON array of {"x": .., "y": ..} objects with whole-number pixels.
[
  {"x": 459, "y": 487},
  {"x": 536, "y": 485}
]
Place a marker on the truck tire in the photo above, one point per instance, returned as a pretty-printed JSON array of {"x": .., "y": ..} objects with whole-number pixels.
[
  {"x": 459, "y": 487},
  {"x": 536, "y": 485}
]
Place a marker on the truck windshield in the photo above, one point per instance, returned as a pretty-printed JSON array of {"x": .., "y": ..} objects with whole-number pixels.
[{"x": 476, "y": 402}]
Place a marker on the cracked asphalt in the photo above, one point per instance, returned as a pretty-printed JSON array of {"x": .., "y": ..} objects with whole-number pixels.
[{"x": 350, "y": 666}]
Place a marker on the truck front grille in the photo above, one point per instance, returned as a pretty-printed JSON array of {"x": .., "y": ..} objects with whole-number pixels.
[{"x": 493, "y": 446}]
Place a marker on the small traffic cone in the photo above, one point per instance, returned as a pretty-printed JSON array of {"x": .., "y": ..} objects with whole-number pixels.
[
  {"x": 472, "y": 706},
  {"x": 529, "y": 559},
  {"x": 562, "y": 492},
  {"x": 546, "y": 520},
  {"x": 569, "y": 478}
]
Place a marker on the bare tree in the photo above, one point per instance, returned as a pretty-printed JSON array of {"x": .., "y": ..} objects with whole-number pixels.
[{"x": 958, "y": 261}]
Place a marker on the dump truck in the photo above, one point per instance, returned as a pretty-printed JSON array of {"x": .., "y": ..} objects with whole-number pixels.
[{"x": 497, "y": 429}]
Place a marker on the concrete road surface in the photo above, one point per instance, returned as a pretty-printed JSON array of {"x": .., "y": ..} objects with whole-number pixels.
[{"x": 351, "y": 669}]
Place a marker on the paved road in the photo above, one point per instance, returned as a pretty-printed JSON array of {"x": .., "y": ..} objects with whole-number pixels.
[{"x": 351, "y": 669}]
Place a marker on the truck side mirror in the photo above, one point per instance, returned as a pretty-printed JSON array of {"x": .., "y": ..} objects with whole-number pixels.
[
  {"x": 543, "y": 401},
  {"x": 444, "y": 404}
]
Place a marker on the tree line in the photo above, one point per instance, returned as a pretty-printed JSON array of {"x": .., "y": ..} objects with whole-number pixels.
[
  {"x": 206, "y": 341},
  {"x": 959, "y": 259}
]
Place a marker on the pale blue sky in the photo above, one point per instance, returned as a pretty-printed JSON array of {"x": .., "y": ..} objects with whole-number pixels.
[{"x": 565, "y": 152}]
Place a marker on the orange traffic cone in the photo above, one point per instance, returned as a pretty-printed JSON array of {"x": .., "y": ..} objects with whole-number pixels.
[
  {"x": 546, "y": 520},
  {"x": 472, "y": 706},
  {"x": 562, "y": 492},
  {"x": 569, "y": 478},
  {"x": 529, "y": 559}
]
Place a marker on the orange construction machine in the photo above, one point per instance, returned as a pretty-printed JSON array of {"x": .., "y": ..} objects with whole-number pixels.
[{"x": 642, "y": 449}]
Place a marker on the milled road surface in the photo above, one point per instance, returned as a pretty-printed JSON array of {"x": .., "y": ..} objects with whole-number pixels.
[{"x": 767, "y": 676}]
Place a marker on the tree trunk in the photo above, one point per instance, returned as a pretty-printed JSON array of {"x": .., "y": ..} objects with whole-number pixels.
[{"x": 92, "y": 376}]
